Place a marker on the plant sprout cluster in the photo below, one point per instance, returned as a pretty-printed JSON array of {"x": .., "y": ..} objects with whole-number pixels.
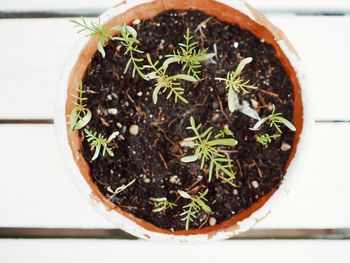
[{"x": 208, "y": 149}]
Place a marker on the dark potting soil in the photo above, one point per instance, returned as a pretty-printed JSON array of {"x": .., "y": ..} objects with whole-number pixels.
[{"x": 152, "y": 157}]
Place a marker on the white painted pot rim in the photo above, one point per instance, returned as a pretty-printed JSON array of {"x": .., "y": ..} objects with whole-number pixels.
[{"x": 127, "y": 224}]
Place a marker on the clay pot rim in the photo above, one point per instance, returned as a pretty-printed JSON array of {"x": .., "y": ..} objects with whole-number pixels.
[{"x": 136, "y": 226}]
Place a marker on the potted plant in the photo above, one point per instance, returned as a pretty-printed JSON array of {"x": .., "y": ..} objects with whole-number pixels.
[{"x": 180, "y": 120}]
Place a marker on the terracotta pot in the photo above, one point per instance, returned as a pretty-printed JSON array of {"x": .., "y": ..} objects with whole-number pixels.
[{"x": 232, "y": 11}]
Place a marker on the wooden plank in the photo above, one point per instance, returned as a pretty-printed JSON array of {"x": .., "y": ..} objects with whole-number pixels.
[
  {"x": 300, "y": 233},
  {"x": 35, "y": 190},
  {"x": 264, "y": 5},
  {"x": 287, "y": 251},
  {"x": 33, "y": 60}
]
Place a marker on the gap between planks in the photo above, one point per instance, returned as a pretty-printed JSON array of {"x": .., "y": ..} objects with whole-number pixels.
[{"x": 334, "y": 234}]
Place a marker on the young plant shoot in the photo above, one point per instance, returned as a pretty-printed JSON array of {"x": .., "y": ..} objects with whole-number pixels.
[
  {"x": 161, "y": 204},
  {"x": 128, "y": 38},
  {"x": 189, "y": 56},
  {"x": 275, "y": 120},
  {"x": 266, "y": 139},
  {"x": 192, "y": 209},
  {"x": 167, "y": 83},
  {"x": 80, "y": 115},
  {"x": 207, "y": 150},
  {"x": 118, "y": 189},
  {"x": 103, "y": 33},
  {"x": 99, "y": 141},
  {"x": 235, "y": 84},
  {"x": 223, "y": 133}
]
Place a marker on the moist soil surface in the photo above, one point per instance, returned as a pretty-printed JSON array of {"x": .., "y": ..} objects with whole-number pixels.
[{"x": 152, "y": 157}]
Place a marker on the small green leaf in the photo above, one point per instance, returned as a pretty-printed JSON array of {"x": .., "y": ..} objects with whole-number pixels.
[
  {"x": 184, "y": 194},
  {"x": 205, "y": 208},
  {"x": 112, "y": 136},
  {"x": 241, "y": 66},
  {"x": 84, "y": 120},
  {"x": 155, "y": 93},
  {"x": 286, "y": 122},
  {"x": 100, "y": 48},
  {"x": 189, "y": 159},
  {"x": 223, "y": 142},
  {"x": 97, "y": 152},
  {"x": 232, "y": 99},
  {"x": 171, "y": 60},
  {"x": 258, "y": 124},
  {"x": 109, "y": 151},
  {"x": 184, "y": 77},
  {"x": 203, "y": 57}
]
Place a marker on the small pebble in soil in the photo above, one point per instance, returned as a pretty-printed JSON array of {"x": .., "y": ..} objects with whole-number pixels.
[
  {"x": 173, "y": 179},
  {"x": 161, "y": 45},
  {"x": 146, "y": 180},
  {"x": 119, "y": 125},
  {"x": 134, "y": 129},
  {"x": 215, "y": 117},
  {"x": 109, "y": 97},
  {"x": 235, "y": 191},
  {"x": 255, "y": 184},
  {"x": 136, "y": 22},
  {"x": 139, "y": 93},
  {"x": 212, "y": 221},
  {"x": 112, "y": 111},
  {"x": 285, "y": 147},
  {"x": 235, "y": 45}
]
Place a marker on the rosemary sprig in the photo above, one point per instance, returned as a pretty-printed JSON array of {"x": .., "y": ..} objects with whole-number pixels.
[
  {"x": 275, "y": 120},
  {"x": 161, "y": 204},
  {"x": 206, "y": 149},
  {"x": 266, "y": 139},
  {"x": 235, "y": 84},
  {"x": 167, "y": 83},
  {"x": 191, "y": 210},
  {"x": 95, "y": 29},
  {"x": 98, "y": 141},
  {"x": 128, "y": 38},
  {"x": 80, "y": 115},
  {"x": 118, "y": 189},
  {"x": 188, "y": 55}
]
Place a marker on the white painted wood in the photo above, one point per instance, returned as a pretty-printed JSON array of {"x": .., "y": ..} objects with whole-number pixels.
[
  {"x": 32, "y": 63},
  {"x": 35, "y": 190},
  {"x": 81, "y": 5},
  {"x": 249, "y": 251}
]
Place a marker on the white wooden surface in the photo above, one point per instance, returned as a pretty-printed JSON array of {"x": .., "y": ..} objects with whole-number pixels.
[
  {"x": 39, "y": 53},
  {"x": 247, "y": 251},
  {"x": 264, "y": 5},
  {"x": 35, "y": 190}
]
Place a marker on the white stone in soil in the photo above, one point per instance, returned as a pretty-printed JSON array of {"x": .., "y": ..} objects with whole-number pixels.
[
  {"x": 134, "y": 129},
  {"x": 212, "y": 221},
  {"x": 112, "y": 111},
  {"x": 136, "y": 22},
  {"x": 255, "y": 184},
  {"x": 285, "y": 147}
]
